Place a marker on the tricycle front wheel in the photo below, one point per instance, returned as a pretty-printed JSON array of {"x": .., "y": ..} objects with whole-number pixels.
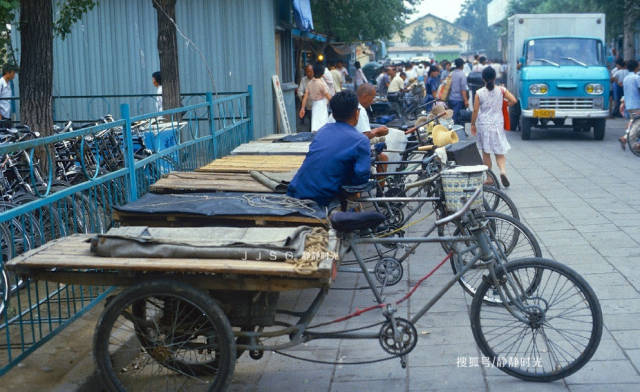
[{"x": 164, "y": 335}]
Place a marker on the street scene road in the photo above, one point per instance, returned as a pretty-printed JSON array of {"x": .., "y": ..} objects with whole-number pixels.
[{"x": 576, "y": 194}]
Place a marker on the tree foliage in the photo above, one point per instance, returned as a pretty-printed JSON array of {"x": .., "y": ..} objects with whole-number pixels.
[
  {"x": 360, "y": 20},
  {"x": 473, "y": 17},
  {"x": 70, "y": 11},
  {"x": 418, "y": 37},
  {"x": 447, "y": 35},
  {"x": 614, "y": 10}
]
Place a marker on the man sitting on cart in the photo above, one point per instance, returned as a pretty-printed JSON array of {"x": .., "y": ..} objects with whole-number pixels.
[{"x": 338, "y": 155}]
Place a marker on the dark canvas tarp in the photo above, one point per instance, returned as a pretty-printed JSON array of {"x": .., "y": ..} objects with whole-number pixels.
[
  {"x": 224, "y": 203},
  {"x": 265, "y": 243}
]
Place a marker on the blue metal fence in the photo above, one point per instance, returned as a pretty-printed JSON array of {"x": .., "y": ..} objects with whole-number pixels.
[{"x": 90, "y": 171}]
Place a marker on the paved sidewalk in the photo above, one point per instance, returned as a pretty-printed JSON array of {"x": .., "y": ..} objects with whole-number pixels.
[{"x": 579, "y": 196}]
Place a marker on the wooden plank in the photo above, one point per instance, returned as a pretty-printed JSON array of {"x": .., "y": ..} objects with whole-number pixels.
[
  {"x": 246, "y": 163},
  {"x": 57, "y": 255},
  {"x": 257, "y": 148},
  {"x": 181, "y": 182},
  {"x": 126, "y": 218},
  {"x": 202, "y": 281}
]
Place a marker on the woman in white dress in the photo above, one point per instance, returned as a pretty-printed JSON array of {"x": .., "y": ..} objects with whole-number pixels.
[
  {"x": 487, "y": 122},
  {"x": 318, "y": 92}
]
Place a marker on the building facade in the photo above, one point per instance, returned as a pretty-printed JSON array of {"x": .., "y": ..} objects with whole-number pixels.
[{"x": 223, "y": 46}]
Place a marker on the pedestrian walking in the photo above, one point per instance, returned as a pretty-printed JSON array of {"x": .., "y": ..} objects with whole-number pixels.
[
  {"x": 487, "y": 122},
  {"x": 458, "y": 94},
  {"x": 8, "y": 73},
  {"x": 156, "y": 79},
  {"x": 302, "y": 87},
  {"x": 359, "y": 79},
  {"x": 318, "y": 93}
]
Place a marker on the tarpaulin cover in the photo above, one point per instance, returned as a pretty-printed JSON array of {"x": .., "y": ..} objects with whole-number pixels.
[
  {"x": 302, "y": 14},
  {"x": 224, "y": 203},
  {"x": 267, "y": 243},
  {"x": 278, "y": 182},
  {"x": 296, "y": 137}
]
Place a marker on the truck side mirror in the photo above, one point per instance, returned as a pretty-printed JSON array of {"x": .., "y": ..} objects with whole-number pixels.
[{"x": 522, "y": 60}]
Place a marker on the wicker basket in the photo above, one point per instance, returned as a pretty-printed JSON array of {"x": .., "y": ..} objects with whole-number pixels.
[{"x": 456, "y": 181}]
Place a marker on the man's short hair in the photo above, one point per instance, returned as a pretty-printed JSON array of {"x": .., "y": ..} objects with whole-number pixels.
[
  {"x": 366, "y": 89},
  {"x": 318, "y": 70},
  {"x": 459, "y": 62},
  {"x": 632, "y": 65},
  {"x": 9, "y": 68},
  {"x": 343, "y": 105},
  {"x": 157, "y": 76},
  {"x": 620, "y": 61}
]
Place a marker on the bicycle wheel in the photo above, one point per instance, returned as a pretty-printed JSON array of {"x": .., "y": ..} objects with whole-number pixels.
[
  {"x": 508, "y": 235},
  {"x": 181, "y": 341},
  {"x": 494, "y": 178},
  {"x": 563, "y": 327},
  {"x": 497, "y": 201}
]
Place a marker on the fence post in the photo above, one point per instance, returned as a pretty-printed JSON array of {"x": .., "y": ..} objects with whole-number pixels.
[
  {"x": 250, "y": 113},
  {"x": 212, "y": 124},
  {"x": 128, "y": 153}
]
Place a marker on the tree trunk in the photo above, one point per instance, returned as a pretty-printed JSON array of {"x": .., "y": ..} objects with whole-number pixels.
[
  {"x": 631, "y": 15},
  {"x": 168, "y": 52},
  {"x": 36, "y": 65}
]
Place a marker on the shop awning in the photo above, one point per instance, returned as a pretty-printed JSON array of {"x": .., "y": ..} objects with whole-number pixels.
[{"x": 302, "y": 14}]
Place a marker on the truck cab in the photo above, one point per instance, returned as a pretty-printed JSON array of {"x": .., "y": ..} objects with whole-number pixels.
[
  {"x": 563, "y": 78},
  {"x": 557, "y": 70}
]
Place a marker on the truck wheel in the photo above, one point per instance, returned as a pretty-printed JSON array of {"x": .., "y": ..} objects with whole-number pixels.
[
  {"x": 514, "y": 116},
  {"x": 599, "y": 126},
  {"x": 525, "y": 127}
]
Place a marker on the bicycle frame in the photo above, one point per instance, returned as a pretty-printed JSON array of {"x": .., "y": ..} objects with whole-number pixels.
[{"x": 299, "y": 332}]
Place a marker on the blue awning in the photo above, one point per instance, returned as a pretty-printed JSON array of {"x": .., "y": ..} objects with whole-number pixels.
[{"x": 302, "y": 14}]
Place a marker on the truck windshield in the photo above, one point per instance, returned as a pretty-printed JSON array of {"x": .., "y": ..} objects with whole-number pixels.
[{"x": 564, "y": 51}]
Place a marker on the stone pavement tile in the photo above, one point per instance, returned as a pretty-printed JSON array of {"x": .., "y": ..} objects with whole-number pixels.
[
  {"x": 608, "y": 350},
  {"x": 513, "y": 384},
  {"x": 442, "y": 378},
  {"x": 370, "y": 386},
  {"x": 605, "y": 372},
  {"x": 610, "y": 239},
  {"x": 620, "y": 306},
  {"x": 441, "y": 355},
  {"x": 606, "y": 387},
  {"x": 609, "y": 251},
  {"x": 611, "y": 286},
  {"x": 634, "y": 355},
  {"x": 633, "y": 231},
  {"x": 628, "y": 339},
  {"x": 306, "y": 380},
  {"x": 442, "y": 319},
  {"x": 621, "y": 322},
  {"x": 547, "y": 224},
  {"x": 448, "y": 335},
  {"x": 375, "y": 371},
  {"x": 629, "y": 219},
  {"x": 586, "y": 228},
  {"x": 538, "y": 212}
]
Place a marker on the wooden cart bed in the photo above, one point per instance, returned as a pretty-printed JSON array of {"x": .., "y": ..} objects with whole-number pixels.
[
  {"x": 69, "y": 260},
  {"x": 182, "y": 182},
  {"x": 261, "y": 148},
  {"x": 247, "y": 163}
]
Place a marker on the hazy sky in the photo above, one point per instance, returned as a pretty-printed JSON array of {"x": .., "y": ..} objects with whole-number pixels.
[{"x": 448, "y": 9}]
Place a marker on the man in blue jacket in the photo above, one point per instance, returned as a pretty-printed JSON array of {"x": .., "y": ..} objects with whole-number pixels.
[{"x": 339, "y": 155}]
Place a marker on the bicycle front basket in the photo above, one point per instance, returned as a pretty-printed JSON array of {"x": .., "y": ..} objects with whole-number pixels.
[{"x": 455, "y": 181}]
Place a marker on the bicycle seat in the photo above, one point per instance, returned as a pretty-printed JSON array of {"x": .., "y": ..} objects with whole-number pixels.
[{"x": 351, "y": 221}]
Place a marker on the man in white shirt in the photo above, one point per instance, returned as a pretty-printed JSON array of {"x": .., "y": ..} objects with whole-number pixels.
[
  {"x": 8, "y": 73},
  {"x": 328, "y": 79},
  {"x": 302, "y": 87},
  {"x": 397, "y": 83}
]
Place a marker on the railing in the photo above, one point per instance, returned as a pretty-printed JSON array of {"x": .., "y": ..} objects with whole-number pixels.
[{"x": 35, "y": 311}]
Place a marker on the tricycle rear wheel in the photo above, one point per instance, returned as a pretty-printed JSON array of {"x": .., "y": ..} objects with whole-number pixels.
[{"x": 164, "y": 335}]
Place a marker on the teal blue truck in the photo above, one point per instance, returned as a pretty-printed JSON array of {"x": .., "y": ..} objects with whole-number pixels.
[{"x": 557, "y": 70}]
